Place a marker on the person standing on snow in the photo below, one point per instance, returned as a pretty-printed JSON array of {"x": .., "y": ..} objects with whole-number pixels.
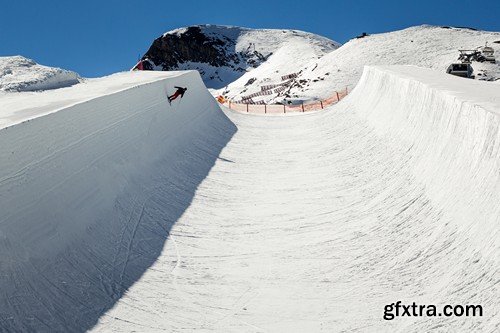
[{"x": 179, "y": 92}]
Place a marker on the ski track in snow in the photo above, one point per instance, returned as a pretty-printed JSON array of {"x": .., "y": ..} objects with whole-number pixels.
[{"x": 209, "y": 221}]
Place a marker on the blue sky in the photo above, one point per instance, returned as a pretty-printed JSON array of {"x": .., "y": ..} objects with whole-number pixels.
[{"x": 96, "y": 38}]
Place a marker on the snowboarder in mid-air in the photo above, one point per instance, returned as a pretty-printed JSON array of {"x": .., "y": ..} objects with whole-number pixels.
[{"x": 179, "y": 92}]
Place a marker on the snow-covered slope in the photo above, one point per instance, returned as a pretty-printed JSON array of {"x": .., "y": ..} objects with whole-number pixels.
[
  {"x": 223, "y": 54},
  {"x": 316, "y": 222},
  {"x": 251, "y": 65},
  {"x": 425, "y": 46},
  {"x": 21, "y": 74},
  {"x": 122, "y": 214}
]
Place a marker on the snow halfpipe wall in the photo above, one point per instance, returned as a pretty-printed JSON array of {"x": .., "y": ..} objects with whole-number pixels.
[
  {"x": 122, "y": 214},
  {"x": 75, "y": 229}
]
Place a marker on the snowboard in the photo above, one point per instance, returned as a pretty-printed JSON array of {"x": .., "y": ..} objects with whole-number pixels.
[{"x": 168, "y": 99}]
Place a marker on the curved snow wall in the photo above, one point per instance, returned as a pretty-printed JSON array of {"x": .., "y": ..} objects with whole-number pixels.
[
  {"x": 88, "y": 196},
  {"x": 454, "y": 140},
  {"x": 448, "y": 129}
]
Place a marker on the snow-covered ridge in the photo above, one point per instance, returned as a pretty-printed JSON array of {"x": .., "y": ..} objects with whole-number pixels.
[
  {"x": 222, "y": 54},
  {"x": 425, "y": 46},
  {"x": 242, "y": 62},
  {"x": 18, "y": 73}
]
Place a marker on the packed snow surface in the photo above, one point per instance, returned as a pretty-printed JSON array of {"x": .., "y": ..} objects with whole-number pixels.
[
  {"x": 21, "y": 74},
  {"x": 120, "y": 213}
]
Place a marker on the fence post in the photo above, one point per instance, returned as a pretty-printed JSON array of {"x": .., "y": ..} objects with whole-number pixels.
[
  {"x": 247, "y": 107},
  {"x": 284, "y": 108},
  {"x": 346, "y": 91},
  {"x": 338, "y": 98},
  {"x": 265, "y": 108},
  {"x": 321, "y": 102},
  {"x": 302, "y": 106}
]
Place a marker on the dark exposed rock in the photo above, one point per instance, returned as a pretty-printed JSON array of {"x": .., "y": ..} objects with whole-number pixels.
[
  {"x": 223, "y": 54},
  {"x": 170, "y": 50},
  {"x": 249, "y": 82},
  {"x": 192, "y": 46},
  {"x": 468, "y": 28},
  {"x": 363, "y": 35}
]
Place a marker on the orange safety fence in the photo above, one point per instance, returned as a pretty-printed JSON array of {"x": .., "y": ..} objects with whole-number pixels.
[{"x": 283, "y": 108}]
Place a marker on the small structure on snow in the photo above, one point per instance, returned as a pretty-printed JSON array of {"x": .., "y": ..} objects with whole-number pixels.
[
  {"x": 462, "y": 70},
  {"x": 488, "y": 53},
  {"x": 480, "y": 54}
]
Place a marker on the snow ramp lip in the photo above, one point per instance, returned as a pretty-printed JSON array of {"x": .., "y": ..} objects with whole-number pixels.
[
  {"x": 20, "y": 107},
  {"x": 90, "y": 191}
]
